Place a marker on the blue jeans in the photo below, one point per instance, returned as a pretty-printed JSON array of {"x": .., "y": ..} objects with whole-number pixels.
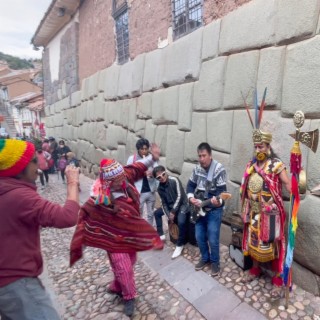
[
  {"x": 26, "y": 299},
  {"x": 181, "y": 220},
  {"x": 208, "y": 234}
]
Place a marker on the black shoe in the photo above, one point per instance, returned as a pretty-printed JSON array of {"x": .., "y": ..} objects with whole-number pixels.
[
  {"x": 200, "y": 265},
  {"x": 119, "y": 294},
  {"x": 215, "y": 269},
  {"x": 129, "y": 307}
]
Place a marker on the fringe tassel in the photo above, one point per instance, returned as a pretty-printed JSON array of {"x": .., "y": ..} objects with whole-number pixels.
[
  {"x": 295, "y": 159},
  {"x": 103, "y": 197}
]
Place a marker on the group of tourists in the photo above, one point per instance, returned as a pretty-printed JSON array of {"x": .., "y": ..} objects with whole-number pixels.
[{"x": 113, "y": 217}]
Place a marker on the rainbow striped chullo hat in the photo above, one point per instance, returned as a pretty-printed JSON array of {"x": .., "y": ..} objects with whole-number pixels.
[{"x": 15, "y": 155}]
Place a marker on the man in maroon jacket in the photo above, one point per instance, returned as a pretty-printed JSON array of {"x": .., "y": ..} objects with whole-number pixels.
[{"x": 22, "y": 213}]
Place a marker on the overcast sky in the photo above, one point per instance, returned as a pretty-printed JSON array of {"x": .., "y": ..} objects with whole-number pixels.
[{"x": 19, "y": 20}]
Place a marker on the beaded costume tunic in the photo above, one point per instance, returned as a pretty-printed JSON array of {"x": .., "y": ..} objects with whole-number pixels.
[{"x": 261, "y": 189}]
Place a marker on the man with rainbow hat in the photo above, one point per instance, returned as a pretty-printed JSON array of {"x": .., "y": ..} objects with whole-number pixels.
[{"x": 22, "y": 214}]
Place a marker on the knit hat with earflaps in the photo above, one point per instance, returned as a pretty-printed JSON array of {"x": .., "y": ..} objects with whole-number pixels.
[
  {"x": 15, "y": 155},
  {"x": 110, "y": 171}
]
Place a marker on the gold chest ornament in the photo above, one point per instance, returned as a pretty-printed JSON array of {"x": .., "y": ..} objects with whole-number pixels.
[{"x": 255, "y": 183}]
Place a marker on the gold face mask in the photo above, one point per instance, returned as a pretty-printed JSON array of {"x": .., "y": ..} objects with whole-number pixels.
[{"x": 261, "y": 156}]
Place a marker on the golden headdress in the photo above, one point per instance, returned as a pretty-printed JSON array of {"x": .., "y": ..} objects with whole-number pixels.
[{"x": 258, "y": 136}]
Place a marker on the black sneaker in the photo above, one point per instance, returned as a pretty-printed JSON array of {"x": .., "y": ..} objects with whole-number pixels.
[
  {"x": 200, "y": 265},
  {"x": 129, "y": 307},
  {"x": 215, "y": 269}
]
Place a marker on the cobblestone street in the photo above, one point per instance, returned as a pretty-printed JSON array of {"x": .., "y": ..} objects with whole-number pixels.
[{"x": 80, "y": 292}]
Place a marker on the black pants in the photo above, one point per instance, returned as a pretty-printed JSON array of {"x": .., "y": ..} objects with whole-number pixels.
[
  {"x": 181, "y": 219},
  {"x": 44, "y": 174},
  {"x": 62, "y": 173}
]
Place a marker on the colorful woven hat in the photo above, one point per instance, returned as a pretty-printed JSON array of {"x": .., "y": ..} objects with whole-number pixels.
[
  {"x": 110, "y": 172},
  {"x": 15, "y": 155}
]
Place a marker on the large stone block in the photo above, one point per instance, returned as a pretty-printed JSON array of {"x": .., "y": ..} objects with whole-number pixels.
[
  {"x": 308, "y": 236},
  {"x": 125, "y": 80},
  {"x": 305, "y": 279},
  {"x": 52, "y": 110},
  {"x": 165, "y": 106},
  {"x": 85, "y": 89},
  {"x": 296, "y": 19},
  {"x": 75, "y": 99},
  {"x": 111, "y": 82},
  {"x": 98, "y": 135},
  {"x": 131, "y": 144},
  {"x": 270, "y": 75},
  {"x": 90, "y": 114},
  {"x": 115, "y": 135},
  {"x": 58, "y": 120},
  {"x": 150, "y": 130},
  {"x": 121, "y": 155},
  {"x": 197, "y": 135},
  {"x": 137, "y": 75},
  {"x": 219, "y": 130},
  {"x": 114, "y": 111},
  {"x": 241, "y": 145},
  {"x": 210, "y": 40},
  {"x": 161, "y": 138},
  {"x": 185, "y": 106},
  {"x": 250, "y": 26},
  {"x": 186, "y": 172},
  {"x": 157, "y": 104},
  {"x": 170, "y": 106},
  {"x": 233, "y": 204},
  {"x": 240, "y": 80},
  {"x": 144, "y": 106},
  {"x": 99, "y": 106},
  {"x": 182, "y": 59},
  {"x": 152, "y": 74},
  {"x": 124, "y": 116},
  {"x": 139, "y": 127},
  {"x": 208, "y": 91},
  {"x": 93, "y": 85},
  {"x": 82, "y": 148},
  {"x": 101, "y": 80},
  {"x": 132, "y": 109},
  {"x": 313, "y": 170},
  {"x": 301, "y": 83},
  {"x": 174, "y": 149}
]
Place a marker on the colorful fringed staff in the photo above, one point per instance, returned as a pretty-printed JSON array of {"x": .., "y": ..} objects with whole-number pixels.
[{"x": 295, "y": 169}]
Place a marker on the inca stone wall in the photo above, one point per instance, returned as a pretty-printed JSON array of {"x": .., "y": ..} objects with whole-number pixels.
[{"x": 192, "y": 91}]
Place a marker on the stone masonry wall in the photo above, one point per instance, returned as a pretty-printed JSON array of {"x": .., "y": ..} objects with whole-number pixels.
[
  {"x": 191, "y": 91},
  {"x": 150, "y": 22},
  {"x": 68, "y": 68}
]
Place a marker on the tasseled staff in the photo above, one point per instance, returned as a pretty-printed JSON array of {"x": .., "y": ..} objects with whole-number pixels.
[{"x": 295, "y": 169}]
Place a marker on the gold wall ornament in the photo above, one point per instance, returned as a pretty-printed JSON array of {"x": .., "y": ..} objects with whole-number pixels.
[
  {"x": 309, "y": 138},
  {"x": 298, "y": 119},
  {"x": 255, "y": 183}
]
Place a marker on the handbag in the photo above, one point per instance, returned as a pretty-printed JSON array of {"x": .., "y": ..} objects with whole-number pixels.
[
  {"x": 62, "y": 163},
  {"x": 174, "y": 230}
]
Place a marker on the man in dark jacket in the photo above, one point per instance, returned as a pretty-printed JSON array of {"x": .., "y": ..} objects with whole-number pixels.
[
  {"x": 22, "y": 214},
  {"x": 174, "y": 203}
]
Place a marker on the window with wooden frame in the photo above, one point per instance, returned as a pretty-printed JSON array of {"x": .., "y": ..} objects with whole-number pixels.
[
  {"x": 120, "y": 16},
  {"x": 187, "y": 16}
]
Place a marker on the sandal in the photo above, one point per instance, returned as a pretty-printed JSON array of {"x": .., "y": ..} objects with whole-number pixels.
[{"x": 277, "y": 293}]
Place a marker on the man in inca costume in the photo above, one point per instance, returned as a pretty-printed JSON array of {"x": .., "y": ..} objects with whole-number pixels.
[{"x": 263, "y": 211}]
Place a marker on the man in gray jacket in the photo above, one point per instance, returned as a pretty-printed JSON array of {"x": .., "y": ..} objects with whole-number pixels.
[{"x": 148, "y": 185}]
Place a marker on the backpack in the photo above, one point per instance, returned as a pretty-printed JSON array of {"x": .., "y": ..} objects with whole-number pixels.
[{"x": 62, "y": 163}]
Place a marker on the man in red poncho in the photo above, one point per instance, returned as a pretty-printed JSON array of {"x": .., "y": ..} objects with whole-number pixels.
[{"x": 111, "y": 220}]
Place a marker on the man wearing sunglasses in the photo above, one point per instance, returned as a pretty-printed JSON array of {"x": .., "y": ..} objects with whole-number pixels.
[
  {"x": 174, "y": 203},
  {"x": 22, "y": 214}
]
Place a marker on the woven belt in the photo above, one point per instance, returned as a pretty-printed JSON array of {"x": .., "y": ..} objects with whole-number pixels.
[{"x": 255, "y": 206}]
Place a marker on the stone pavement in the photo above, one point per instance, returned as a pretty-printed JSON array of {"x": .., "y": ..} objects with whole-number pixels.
[{"x": 167, "y": 289}]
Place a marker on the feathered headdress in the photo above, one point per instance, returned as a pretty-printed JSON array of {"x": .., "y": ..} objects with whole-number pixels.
[{"x": 258, "y": 136}]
